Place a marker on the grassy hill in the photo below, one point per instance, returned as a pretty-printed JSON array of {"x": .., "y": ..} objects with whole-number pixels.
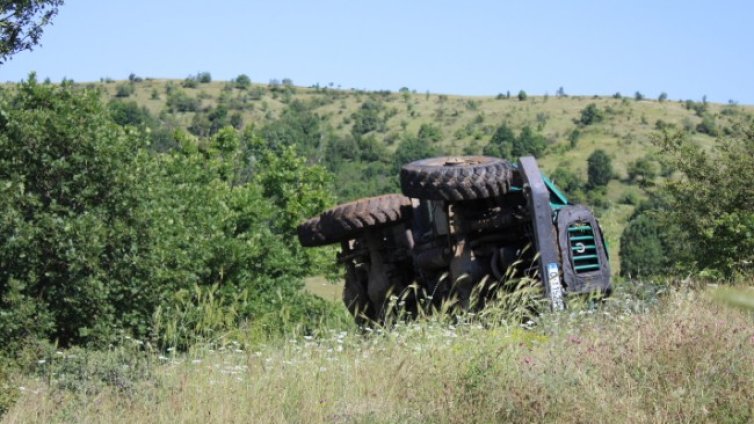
[{"x": 465, "y": 125}]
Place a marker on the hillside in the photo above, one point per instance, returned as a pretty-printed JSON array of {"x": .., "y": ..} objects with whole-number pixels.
[{"x": 356, "y": 133}]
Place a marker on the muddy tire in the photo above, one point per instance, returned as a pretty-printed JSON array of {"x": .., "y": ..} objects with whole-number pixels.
[
  {"x": 456, "y": 178},
  {"x": 310, "y": 234},
  {"x": 349, "y": 220}
]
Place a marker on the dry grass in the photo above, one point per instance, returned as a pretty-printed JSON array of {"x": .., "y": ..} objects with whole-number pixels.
[{"x": 688, "y": 359}]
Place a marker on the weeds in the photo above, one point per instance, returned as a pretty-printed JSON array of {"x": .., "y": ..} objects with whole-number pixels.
[{"x": 687, "y": 358}]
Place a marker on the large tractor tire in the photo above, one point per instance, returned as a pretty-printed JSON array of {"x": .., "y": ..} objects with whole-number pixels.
[
  {"x": 456, "y": 178},
  {"x": 349, "y": 220}
]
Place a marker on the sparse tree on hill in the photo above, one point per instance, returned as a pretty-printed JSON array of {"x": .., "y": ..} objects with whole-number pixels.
[
  {"x": 522, "y": 95},
  {"x": 243, "y": 82},
  {"x": 204, "y": 77},
  {"x": 663, "y": 96},
  {"x": 591, "y": 114},
  {"x": 599, "y": 169}
]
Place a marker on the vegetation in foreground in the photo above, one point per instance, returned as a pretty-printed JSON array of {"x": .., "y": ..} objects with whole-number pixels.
[{"x": 682, "y": 357}]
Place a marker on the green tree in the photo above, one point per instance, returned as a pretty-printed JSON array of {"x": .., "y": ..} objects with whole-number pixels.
[
  {"x": 429, "y": 133},
  {"x": 505, "y": 144},
  {"x": 522, "y": 95},
  {"x": 599, "y": 169},
  {"x": 528, "y": 143},
  {"x": 204, "y": 77},
  {"x": 410, "y": 149},
  {"x": 712, "y": 199},
  {"x": 368, "y": 118},
  {"x": 22, "y": 24},
  {"x": 242, "y": 82},
  {"x": 708, "y": 125},
  {"x": 98, "y": 234},
  {"x": 642, "y": 170},
  {"x": 591, "y": 114},
  {"x": 130, "y": 113},
  {"x": 297, "y": 126},
  {"x": 643, "y": 250},
  {"x": 501, "y": 143},
  {"x": 662, "y": 97},
  {"x": 73, "y": 241}
]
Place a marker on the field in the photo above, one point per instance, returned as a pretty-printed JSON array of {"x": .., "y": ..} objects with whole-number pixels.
[{"x": 673, "y": 357}]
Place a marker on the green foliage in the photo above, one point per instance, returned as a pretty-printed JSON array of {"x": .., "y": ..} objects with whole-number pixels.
[
  {"x": 429, "y": 133},
  {"x": 97, "y": 232},
  {"x": 23, "y": 23},
  {"x": 591, "y": 114},
  {"x": 712, "y": 202},
  {"x": 662, "y": 97},
  {"x": 411, "y": 149},
  {"x": 599, "y": 169},
  {"x": 204, "y": 77},
  {"x": 643, "y": 249},
  {"x": 569, "y": 182},
  {"x": 242, "y": 82},
  {"x": 708, "y": 125},
  {"x": 522, "y": 95},
  {"x": 652, "y": 244},
  {"x": 297, "y": 126},
  {"x": 505, "y": 144},
  {"x": 643, "y": 171},
  {"x": 209, "y": 122},
  {"x": 368, "y": 118},
  {"x": 129, "y": 113},
  {"x": 179, "y": 101},
  {"x": 125, "y": 89},
  {"x": 71, "y": 234}
]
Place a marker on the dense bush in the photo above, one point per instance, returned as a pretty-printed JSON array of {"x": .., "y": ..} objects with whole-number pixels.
[
  {"x": 591, "y": 114},
  {"x": 711, "y": 200},
  {"x": 368, "y": 118},
  {"x": 97, "y": 232},
  {"x": 599, "y": 168},
  {"x": 505, "y": 144}
]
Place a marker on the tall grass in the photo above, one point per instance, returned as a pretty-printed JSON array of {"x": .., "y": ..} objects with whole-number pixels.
[{"x": 688, "y": 358}]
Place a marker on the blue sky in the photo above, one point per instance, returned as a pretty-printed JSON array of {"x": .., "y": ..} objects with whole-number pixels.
[{"x": 685, "y": 48}]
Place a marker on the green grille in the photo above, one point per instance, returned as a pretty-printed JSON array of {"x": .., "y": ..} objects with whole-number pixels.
[{"x": 584, "y": 255}]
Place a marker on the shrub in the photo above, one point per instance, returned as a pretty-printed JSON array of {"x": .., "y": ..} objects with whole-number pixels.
[
  {"x": 712, "y": 202},
  {"x": 599, "y": 169},
  {"x": 242, "y": 82},
  {"x": 522, "y": 95},
  {"x": 124, "y": 90},
  {"x": 505, "y": 144},
  {"x": 591, "y": 114},
  {"x": 97, "y": 232},
  {"x": 179, "y": 101},
  {"x": 642, "y": 170}
]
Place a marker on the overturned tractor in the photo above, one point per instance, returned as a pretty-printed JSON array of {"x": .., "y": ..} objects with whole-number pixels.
[{"x": 458, "y": 220}]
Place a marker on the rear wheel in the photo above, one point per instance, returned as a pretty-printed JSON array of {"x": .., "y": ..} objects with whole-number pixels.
[
  {"x": 457, "y": 178},
  {"x": 349, "y": 220}
]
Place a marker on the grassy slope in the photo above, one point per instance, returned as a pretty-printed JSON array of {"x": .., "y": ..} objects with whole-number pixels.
[
  {"x": 469, "y": 121},
  {"x": 686, "y": 360}
]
